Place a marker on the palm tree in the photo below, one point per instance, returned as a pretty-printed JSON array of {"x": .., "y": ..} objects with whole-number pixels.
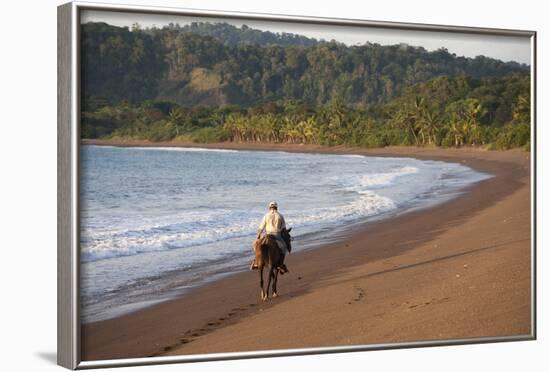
[
  {"x": 473, "y": 111},
  {"x": 310, "y": 130},
  {"x": 522, "y": 109},
  {"x": 406, "y": 120},
  {"x": 275, "y": 128},
  {"x": 464, "y": 120},
  {"x": 417, "y": 114},
  {"x": 290, "y": 130},
  {"x": 175, "y": 117},
  {"x": 336, "y": 119},
  {"x": 234, "y": 124},
  {"x": 430, "y": 126},
  {"x": 457, "y": 131}
]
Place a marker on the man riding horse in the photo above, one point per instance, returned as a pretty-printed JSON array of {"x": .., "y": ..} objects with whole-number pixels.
[{"x": 273, "y": 223}]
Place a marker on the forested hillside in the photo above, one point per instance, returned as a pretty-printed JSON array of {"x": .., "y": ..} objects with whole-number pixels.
[
  {"x": 232, "y": 36},
  {"x": 216, "y": 82},
  {"x": 189, "y": 68}
]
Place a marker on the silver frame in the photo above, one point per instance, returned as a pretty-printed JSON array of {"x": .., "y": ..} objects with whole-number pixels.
[{"x": 68, "y": 118}]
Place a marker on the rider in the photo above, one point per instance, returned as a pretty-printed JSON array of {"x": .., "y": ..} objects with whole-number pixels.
[{"x": 273, "y": 222}]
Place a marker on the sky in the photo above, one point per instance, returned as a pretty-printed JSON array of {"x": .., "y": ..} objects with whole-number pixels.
[{"x": 505, "y": 48}]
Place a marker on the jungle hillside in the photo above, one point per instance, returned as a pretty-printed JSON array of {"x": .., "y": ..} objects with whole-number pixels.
[{"x": 214, "y": 82}]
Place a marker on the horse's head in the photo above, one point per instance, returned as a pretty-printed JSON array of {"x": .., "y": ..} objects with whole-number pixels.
[{"x": 285, "y": 234}]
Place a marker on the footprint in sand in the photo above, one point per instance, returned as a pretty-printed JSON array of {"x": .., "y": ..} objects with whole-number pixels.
[
  {"x": 209, "y": 326},
  {"x": 433, "y": 301},
  {"x": 359, "y": 296}
]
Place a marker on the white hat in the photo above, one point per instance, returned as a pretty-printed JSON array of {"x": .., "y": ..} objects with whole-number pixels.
[{"x": 273, "y": 204}]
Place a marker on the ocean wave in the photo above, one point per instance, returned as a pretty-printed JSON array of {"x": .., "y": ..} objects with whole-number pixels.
[
  {"x": 366, "y": 182},
  {"x": 357, "y": 156},
  {"x": 368, "y": 189},
  {"x": 216, "y": 226},
  {"x": 185, "y": 229},
  {"x": 182, "y": 149}
]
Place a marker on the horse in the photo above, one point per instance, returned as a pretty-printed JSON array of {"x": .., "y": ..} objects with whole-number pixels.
[{"x": 268, "y": 254}]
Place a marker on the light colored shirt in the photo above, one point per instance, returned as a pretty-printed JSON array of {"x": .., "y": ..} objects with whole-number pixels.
[{"x": 273, "y": 222}]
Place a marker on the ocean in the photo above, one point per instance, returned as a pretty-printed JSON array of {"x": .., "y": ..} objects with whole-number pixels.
[{"x": 156, "y": 222}]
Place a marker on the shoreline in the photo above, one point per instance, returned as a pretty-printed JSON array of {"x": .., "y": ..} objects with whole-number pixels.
[
  {"x": 398, "y": 151},
  {"x": 231, "y": 302},
  {"x": 449, "y": 154}
]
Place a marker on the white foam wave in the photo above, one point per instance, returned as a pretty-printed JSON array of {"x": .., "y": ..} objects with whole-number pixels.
[
  {"x": 183, "y": 149},
  {"x": 179, "y": 231},
  {"x": 217, "y": 227},
  {"x": 365, "y": 182},
  {"x": 207, "y": 225},
  {"x": 353, "y": 156}
]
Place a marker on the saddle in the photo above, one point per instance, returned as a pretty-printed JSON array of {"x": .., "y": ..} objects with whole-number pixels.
[
  {"x": 263, "y": 241},
  {"x": 269, "y": 239},
  {"x": 266, "y": 239}
]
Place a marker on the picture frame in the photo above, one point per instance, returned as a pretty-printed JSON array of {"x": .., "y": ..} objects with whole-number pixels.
[{"x": 69, "y": 182}]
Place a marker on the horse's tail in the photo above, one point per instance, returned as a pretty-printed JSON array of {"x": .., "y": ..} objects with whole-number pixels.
[
  {"x": 264, "y": 256},
  {"x": 270, "y": 255},
  {"x": 260, "y": 252}
]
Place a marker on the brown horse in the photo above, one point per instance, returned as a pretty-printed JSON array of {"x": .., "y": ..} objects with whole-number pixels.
[{"x": 269, "y": 255}]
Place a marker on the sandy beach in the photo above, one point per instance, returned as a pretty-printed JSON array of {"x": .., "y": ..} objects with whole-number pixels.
[{"x": 458, "y": 270}]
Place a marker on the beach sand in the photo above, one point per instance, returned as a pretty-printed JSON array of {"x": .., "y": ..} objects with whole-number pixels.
[{"x": 458, "y": 270}]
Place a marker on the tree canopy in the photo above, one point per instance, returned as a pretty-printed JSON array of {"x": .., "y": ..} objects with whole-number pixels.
[
  {"x": 212, "y": 64},
  {"x": 215, "y": 82}
]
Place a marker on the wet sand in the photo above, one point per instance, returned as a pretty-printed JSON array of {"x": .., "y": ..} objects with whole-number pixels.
[{"x": 460, "y": 269}]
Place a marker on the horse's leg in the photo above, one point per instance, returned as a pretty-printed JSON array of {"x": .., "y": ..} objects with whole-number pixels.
[
  {"x": 274, "y": 289},
  {"x": 269, "y": 282},
  {"x": 262, "y": 293}
]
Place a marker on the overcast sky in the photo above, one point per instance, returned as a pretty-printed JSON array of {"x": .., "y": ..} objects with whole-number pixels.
[{"x": 505, "y": 48}]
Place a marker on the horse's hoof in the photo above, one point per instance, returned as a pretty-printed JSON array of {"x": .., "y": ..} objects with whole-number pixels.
[{"x": 274, "y": 295}]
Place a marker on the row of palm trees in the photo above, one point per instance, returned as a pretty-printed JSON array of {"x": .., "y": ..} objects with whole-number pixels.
[
  {"x": 271, "y": 128},
  {"x": 422, "y": 123},
  {"x": 425, "y": 124}
]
